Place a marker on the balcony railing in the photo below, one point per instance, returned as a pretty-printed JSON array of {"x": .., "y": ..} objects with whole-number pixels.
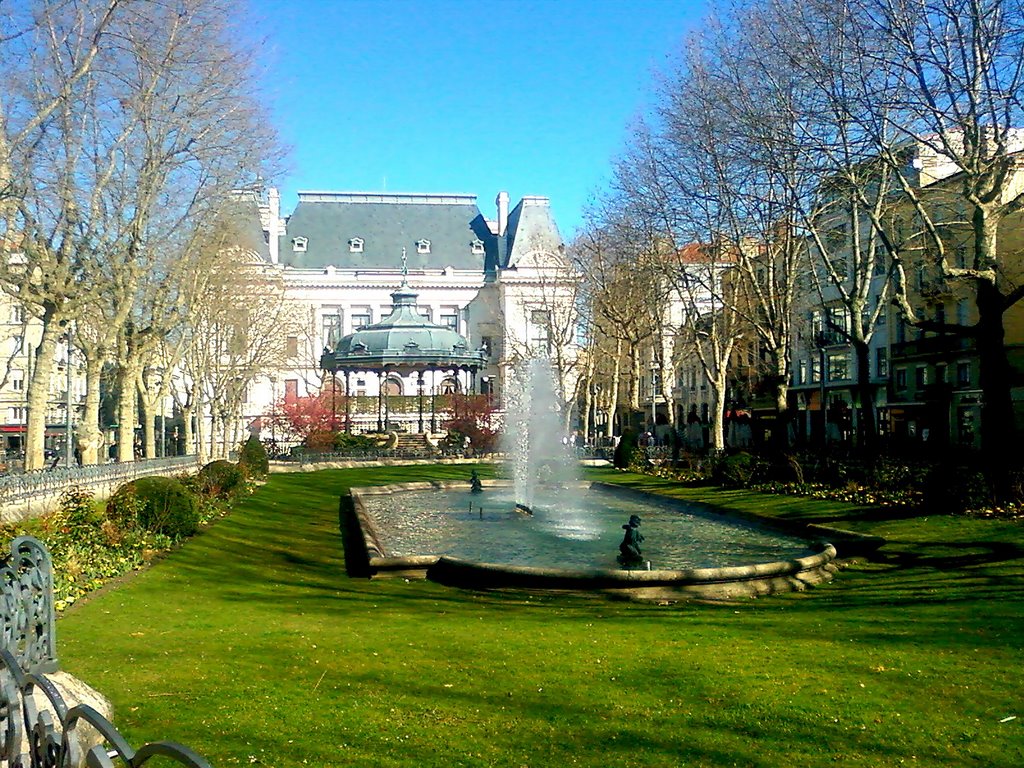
[{"x": 933, "y": 345}]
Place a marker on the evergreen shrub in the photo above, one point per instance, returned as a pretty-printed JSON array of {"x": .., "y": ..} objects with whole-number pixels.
[
  {"x": 252, "y": 459},
  {"x": 627, "y": 449},
  {"x": 736, "y": 471},
  {"x": 221, "y": 480},
  {"x": 156, "y": 504},
  {"x": 954, "y": 488}
]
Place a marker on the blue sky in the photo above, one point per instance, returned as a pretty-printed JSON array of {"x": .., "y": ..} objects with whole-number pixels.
[{"x": 533, "y": 97}]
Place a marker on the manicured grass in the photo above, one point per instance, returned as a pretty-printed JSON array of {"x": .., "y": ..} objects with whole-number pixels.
[{"x": 252, "y": 645}]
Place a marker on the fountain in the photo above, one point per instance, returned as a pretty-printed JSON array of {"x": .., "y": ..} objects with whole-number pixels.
[
  {"x": 546, "y": 529},
  {"x": 542, "y": 465}
]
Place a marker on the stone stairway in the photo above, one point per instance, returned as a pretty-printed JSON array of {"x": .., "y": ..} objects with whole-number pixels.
[{"x": 413, "y": 444}]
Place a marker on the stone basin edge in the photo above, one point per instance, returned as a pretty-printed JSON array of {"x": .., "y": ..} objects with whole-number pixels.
[{"x": 705, "y": 583}]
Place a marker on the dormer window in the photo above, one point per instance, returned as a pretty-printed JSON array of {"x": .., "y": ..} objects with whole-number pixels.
[
  {"x": 478, "y": 247},
  {"x": 355, "y": 245},
  {"x": 422, "y": 246},
  {"x": 299, "y": 244}
]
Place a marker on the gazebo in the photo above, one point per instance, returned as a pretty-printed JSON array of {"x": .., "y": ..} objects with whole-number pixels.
[{"x": 401, "y": 344}]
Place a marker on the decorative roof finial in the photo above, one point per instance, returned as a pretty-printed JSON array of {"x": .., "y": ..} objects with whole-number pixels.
[{"x": 405, "y": 268}]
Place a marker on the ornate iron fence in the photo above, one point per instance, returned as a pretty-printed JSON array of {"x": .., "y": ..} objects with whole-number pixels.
[
  {"x": 37, "y": 727},
  {"x": 25, "y": 489}
]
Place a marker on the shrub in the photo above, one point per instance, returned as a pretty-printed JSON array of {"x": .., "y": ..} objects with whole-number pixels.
[
  {"x": 786, "y": 468},
  {"x": 735, "y": 471},
  {"x": 951, "y": 488},
  {"x": 482, "y": 438},
  {"x": 221, "y": 480},
  {"x": 76, "y": 514},
  {"x": 346, "y": 443},
  {"x": 157, "y": 504},
  {"x": 207, "y": 507},
  {"x": 627, "y": 449},
  {"x": 253, "y": 458},
  {"x": 320, "y": 441}
]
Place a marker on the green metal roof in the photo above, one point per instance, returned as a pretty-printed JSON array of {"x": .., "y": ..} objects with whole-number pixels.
[{"x": 404, "y": 340}]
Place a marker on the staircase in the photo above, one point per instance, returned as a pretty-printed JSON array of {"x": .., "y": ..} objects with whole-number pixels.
[{"x": 413, "y": 445}]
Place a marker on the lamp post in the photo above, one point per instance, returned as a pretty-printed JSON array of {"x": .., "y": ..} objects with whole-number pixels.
[
  {"x": 273, "y": 413},
  {"x": 654, "y": 397},
  {"x": 68, "y": 452},
  {"x": 821, "y": 341}
]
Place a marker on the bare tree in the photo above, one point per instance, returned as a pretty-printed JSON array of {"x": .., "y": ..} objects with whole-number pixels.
[
  {"x": 144, "y": 144},
  {"x": 624, "y": 292},
  {"x": 48, "y": 59},
  {"x": 962, "y": 73},
  {"x": 238, "y": 336}
]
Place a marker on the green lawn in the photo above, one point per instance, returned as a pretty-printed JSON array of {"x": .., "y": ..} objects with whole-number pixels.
[{"x": 252, "y": 645}]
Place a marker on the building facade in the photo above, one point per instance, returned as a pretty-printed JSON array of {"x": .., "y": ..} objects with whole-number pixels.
[{"x": 502, "y": 282}]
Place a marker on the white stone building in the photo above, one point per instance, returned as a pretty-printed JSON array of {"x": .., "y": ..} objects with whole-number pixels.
[{"x": 503, "y": 283}]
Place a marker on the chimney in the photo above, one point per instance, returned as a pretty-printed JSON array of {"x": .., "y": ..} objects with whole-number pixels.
[
  {"x": 502, "y": 202},
  {"x": 274, "y": 226}
]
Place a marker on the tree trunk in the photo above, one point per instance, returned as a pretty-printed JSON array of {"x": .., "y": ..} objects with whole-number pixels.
[
  {"x": 188, "y": 431},
  {"x": 998, "y": 430},
  {"x": 634, "y": 379},
  {"x": 199, "y": 409},
  {"x": 90, "y": 436},
  {"x": 613, "y": 403},
  {"x": 780, "y": 387},
  {"x": 995, "y": 378},
  {"x": 148, "y": 419},
  {"x": 718, "y": 386},
  {"x": 126, "y": 410},
  {"x": 39, "y": 395},
  {"x": 867, "y": 432}
]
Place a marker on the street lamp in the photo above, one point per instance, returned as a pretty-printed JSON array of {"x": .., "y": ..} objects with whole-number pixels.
[
  {"x": 821, "y": 341},
  {"x": 273, "y": 414},
  {"x": 68, "y": 453},
  {"x": 654, "y": 397}
]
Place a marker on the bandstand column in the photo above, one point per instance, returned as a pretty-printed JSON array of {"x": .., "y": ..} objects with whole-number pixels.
[
  {"x": 419, "y": 385},
  {"x": 348, "y": 405},
  {"x": 433, "y": 400},
  {"x": 380, "y": 401}
]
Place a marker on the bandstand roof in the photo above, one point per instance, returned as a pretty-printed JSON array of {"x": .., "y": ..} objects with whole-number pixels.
[{"x": 404, "y": 341}]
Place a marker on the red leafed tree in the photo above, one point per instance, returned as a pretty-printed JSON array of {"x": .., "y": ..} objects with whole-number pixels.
[
  {"x": 472, "y": 416},
  {"x": 304, "y": 416}
]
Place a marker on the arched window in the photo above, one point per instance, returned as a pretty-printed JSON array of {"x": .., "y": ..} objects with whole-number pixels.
[
  {"x": 449, "y": 386},
  {"x": 393, "y": 386}
]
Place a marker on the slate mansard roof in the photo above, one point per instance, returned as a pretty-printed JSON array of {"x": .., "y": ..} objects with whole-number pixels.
[
  {"x": 386, "y": 223},
  {"x": 325, "y": 223}
]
